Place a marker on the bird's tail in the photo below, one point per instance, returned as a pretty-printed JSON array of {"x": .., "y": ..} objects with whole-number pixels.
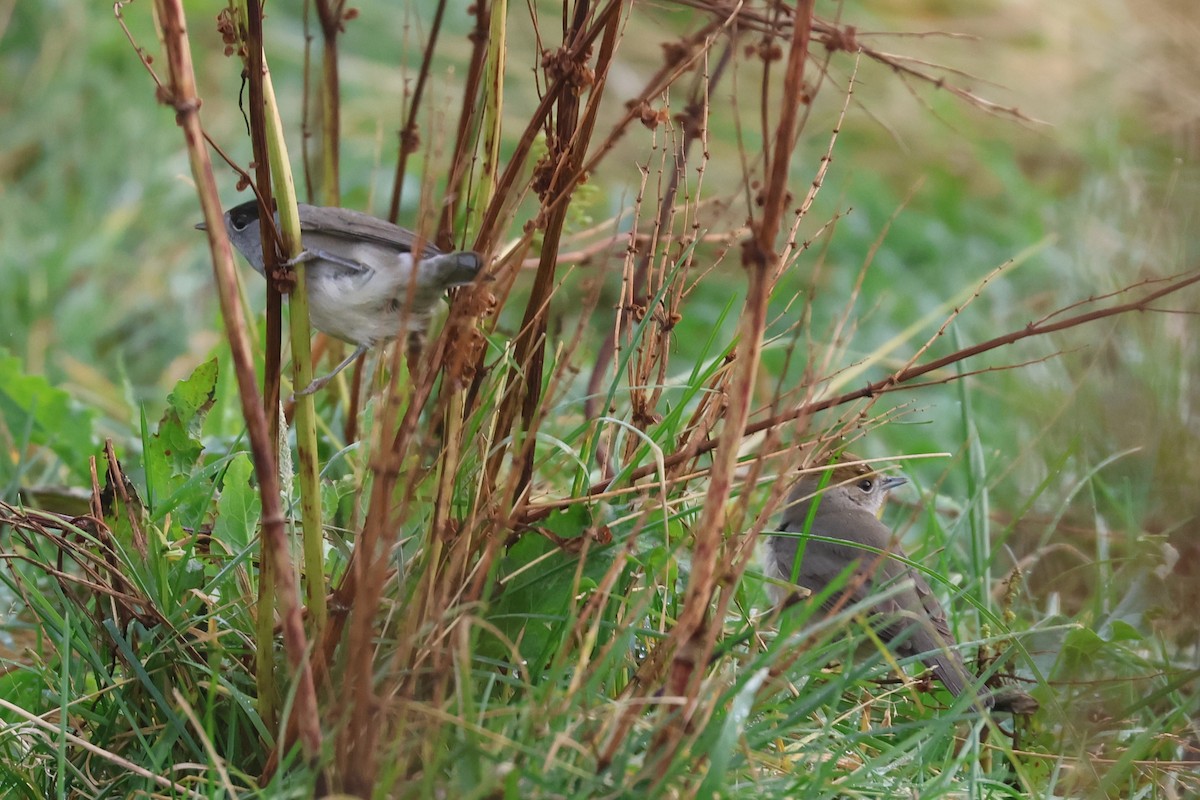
[
  {"x": 950, "y": 670},
  {"x": 454, "y": 269}
]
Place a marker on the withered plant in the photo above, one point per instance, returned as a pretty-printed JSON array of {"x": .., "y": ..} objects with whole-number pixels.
[{"x": 522, "y": 562}]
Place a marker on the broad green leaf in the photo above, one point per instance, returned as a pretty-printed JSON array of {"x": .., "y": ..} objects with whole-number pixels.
[
  {"x": 34, "y": 411},
  {"x": 537, "y": 604}
]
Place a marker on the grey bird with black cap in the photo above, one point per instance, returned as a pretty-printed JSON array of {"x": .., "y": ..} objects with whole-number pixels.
[
  {"x": 845, "y": 507},
  {"x": 365, "y": 283}
]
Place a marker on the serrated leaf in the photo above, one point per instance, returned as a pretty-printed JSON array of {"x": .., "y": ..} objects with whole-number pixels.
[
  {"x": 239, "y": 507},
  {"x": 175, "y": 448}
]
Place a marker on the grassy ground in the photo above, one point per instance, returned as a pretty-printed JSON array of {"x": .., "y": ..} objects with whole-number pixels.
[{"x": 520, "y": 660}]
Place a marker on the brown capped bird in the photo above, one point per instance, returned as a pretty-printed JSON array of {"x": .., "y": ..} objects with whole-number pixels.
[{"x": 909, "y": 618}]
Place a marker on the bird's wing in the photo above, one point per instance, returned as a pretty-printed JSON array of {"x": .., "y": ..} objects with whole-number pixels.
[
  {"x": 822, "y": 562},
  {"x": 912, "y": 617},
  {"x": 920, "y": 628},
  {"x": 348, "y": 224}
]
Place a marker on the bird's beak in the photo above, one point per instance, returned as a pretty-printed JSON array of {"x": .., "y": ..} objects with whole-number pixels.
[
  {"x": 892, "y": 481},
  {"x": 200, "y": 226}
]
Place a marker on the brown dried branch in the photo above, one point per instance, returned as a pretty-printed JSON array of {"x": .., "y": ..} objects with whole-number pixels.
[
  {"x": 693, "y": 637},
  {"x": 180, "y": 94},
  {"x": 271, "y": 261},
  {"x": 847, "y": 38},
  {"x": 901, "y": 379},
  {"x": 572, "y": 132},
  {"x": 464, "y": 141},
  {"x": 504, "y": 196},
  {"x": 693, "y": 127},
  {"x": 332, "y": 15},
  {"x": 409, "y": 138},
  {"x": 94, "y": 562}
]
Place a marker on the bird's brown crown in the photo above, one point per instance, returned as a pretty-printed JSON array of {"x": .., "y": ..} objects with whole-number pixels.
[{"x": 842, "y": 472}]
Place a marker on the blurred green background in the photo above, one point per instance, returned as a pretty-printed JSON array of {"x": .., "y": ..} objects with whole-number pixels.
[{"x": 107, "y": 289}]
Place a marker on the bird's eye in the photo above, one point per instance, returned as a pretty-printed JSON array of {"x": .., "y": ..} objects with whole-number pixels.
[
  {"x": 242, "y": 216},
  {"x": 866, "y": 484}
]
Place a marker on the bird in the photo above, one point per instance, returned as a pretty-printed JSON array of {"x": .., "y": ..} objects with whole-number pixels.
[
  {"x": 907, "y": 615},
  {"x": 364, "y": 281}
]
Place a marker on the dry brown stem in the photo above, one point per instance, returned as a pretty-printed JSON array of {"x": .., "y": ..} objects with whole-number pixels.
[
  {"x": 572, "y": 132},
  {"x": 693, "y": 636},
  {"x": 902, "y": 379},
  {"x": 180, "y": 94},
  {"x": 847, "y": 38},
  {"x": 409, "y": 138},
  {"x": 332, "y": 16}
]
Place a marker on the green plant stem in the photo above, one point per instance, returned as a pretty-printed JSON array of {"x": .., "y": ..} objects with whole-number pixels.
[
  {"x": 268, "y": 699},
  {"x": 306, "y": 421}
]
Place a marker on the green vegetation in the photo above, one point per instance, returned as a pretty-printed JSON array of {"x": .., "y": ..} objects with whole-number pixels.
[{"x": 496, "y": 637}]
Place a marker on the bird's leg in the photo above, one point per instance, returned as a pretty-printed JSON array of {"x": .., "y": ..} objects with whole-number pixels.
[{"x": 320, "y": 382}]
